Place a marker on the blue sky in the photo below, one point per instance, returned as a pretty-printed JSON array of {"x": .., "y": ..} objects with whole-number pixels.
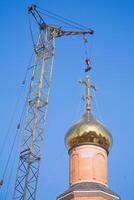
[{"x": 112, "y": 72}]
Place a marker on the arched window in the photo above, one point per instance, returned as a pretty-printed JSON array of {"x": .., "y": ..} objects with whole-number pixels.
[
  {"x": 100, "y": 167},
  {"x": 74, "y": 168}
]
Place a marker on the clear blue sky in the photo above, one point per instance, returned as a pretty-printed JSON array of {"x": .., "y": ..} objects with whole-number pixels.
[{"x": 112, "y": 72}]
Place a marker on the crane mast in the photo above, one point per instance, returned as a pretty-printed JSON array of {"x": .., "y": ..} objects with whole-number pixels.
[{"x": 36, "y": 109}]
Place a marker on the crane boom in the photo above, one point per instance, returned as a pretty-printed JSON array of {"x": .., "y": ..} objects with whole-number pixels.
[{"x": 37, "y": 104}]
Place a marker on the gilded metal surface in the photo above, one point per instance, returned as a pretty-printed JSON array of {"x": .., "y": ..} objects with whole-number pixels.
[{"x": 88, "y": 131}]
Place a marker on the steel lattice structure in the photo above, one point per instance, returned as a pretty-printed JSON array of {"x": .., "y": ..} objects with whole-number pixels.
[{"x": 37, "y": 104}]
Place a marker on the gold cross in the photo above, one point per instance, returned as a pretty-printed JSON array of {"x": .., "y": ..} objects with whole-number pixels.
[{"x": 86, "y": 82}]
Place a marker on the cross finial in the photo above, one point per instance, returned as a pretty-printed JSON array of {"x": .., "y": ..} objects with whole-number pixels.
[{"x": 86, "y": 82}]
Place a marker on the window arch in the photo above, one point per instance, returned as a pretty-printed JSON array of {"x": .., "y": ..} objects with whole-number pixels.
[
  {"x": 74, "y": 167},
  {"x": 100, "y": 167}
]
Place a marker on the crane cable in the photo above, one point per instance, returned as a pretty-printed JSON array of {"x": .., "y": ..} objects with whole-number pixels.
[
  {"x": 63, "y": 19},
  {"x": 9, "y": 127},
  {"x": 88, "y": 62},
  {"x": 7, "y": 163},
  {"x": 87, "y": 52},
  {"x": 10, "y": 175},
  {"x": 60, "y": 20},
  {"x": 14, "y": 140},
  {"x": 29, "y": 67},
  {"x": 31, "y": 32},
  {"x": 18, "y": 125},
  {"x": 87, "y": 58},
  {"x": 15, "y": 108}
]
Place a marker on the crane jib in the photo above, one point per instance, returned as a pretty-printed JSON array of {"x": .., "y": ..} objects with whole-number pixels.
[{"x": 37, "y": 104}]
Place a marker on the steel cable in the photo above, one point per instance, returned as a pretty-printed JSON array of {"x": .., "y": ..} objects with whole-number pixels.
[
  {"x": 10, "y": 176},
  {"x": 80, "y": 26},
  {"x": 60, "y": 20},
  {"x": 14, "y": 140}
]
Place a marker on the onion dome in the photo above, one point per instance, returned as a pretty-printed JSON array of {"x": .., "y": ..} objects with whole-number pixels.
[{"x": 88, "y": 131}]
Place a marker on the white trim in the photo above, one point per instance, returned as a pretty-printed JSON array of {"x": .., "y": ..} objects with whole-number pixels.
[{"x": 98, "y": 191}]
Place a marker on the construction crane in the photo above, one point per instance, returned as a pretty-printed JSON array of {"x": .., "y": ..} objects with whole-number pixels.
[{"x": 37, "y": 104}]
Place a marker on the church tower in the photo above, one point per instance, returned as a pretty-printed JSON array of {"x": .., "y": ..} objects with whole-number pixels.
[{"x": 88, "y": 143}]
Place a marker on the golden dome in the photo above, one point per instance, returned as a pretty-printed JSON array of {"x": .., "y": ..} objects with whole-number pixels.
[{"x": 88, "y": 131}]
